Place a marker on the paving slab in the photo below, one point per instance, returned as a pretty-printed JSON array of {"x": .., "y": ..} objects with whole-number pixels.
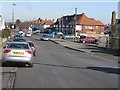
[{"x": 8, "y": 69}]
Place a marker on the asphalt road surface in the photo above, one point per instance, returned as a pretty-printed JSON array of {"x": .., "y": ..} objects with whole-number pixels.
[{"x": 58, "y": 67}]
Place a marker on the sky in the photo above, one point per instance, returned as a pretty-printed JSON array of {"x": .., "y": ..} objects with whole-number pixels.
[{"x": 29, "y": 10}]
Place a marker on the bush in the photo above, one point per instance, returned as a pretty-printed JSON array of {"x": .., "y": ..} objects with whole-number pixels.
[{"x": 5, "y": 33}]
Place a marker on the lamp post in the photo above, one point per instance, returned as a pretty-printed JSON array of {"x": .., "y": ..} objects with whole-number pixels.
[
  {"x": 62, "y": 24},
  {"x": 13, "y": 16},
  {"x": 75, "y": 21},
  {"x": 13, "y": 6}
]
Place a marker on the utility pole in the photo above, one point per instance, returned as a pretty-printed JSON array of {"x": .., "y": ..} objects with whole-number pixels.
[
  {"x": 59, "y": 24},
  {"x": 13, "y": 12},
  {"x": 75, "y": 20},
  {"x": 62, "y": 24},
  {"x": 13, "y": 23}
]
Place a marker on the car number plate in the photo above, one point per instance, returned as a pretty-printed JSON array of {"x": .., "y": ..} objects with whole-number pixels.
[{"x": 18, "y": 53}]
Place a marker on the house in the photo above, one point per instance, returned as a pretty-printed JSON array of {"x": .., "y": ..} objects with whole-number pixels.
[
  {"x": 79, "y": 24},
  {"x": 47, "y": 23}
]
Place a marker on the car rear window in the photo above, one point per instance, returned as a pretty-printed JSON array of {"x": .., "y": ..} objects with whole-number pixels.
[
  {"x": 19, "y": 46},
  {"x": 21, "y": 40}
]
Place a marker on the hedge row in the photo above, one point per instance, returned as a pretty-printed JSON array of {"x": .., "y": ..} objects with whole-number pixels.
[{"x": 5, "y": 33}]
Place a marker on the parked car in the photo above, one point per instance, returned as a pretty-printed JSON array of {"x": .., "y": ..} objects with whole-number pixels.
[
  {"x": 32, "y": 46},
  {"x": 68, "y": 36},
  {"x": 19, "y": 52},
  {"x": 28, "y": 34},
  {"x": 88, "y": 40},
  {"x": 17, "y": 36},
  {"x": 44, "y": 37},
  {"x": 22, "y": 33},
  {"x": 107, "y": 32}
]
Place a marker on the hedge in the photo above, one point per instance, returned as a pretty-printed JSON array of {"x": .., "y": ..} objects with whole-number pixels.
[{"x": 5, "y": 33}]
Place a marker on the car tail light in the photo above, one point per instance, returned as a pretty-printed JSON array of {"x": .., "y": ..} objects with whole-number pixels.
[
  {"x": 7, "y": 51},
  {"x": 32, "y": 47},
  {"x": 29, "y": 52}
]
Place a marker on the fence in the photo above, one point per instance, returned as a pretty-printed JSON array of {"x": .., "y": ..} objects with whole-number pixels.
[{"x": 109, "y": 42}]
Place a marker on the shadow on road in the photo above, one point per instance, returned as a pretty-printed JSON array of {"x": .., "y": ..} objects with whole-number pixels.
[
  {"x": 55, "y": 65},
  {"x": 106, "y": 69},
  {"x": 37, "y": 39},
  {"x": 8, "y": 64},
  {"x": 102, "y": 69},
  {"x": 103, "y": 50}
]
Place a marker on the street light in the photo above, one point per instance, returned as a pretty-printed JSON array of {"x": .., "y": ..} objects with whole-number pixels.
[
  {"x": 13, "y": 23},
  {"x": 13, "y": 6},
  {"x": 75, "y": 21}
]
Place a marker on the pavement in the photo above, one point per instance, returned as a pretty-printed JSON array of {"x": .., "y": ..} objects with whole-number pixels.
[
  {"x": 87, "y": 48},
  {"x": 7, "y": 74}
]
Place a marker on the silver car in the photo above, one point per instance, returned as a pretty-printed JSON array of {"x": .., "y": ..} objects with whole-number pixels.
[
  {"x": 18, "y": 52},
  {"x": 44, "y": 37}
]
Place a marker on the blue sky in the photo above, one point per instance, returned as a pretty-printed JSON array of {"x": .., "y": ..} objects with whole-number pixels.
[{"x": 25, "y": 10}]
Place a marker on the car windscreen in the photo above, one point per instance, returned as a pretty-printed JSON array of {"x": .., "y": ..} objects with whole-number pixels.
[
  {"x": 28, "y": 33},
  {"x": 18, "y": 46}
]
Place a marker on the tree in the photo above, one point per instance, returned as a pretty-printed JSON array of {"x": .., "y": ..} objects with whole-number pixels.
[
  {"x": 18, "y": 21},
  {"x": 40, "y": 19}
]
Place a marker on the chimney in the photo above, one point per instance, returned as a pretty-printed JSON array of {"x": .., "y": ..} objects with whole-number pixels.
[{"x": 113, "y": 20}]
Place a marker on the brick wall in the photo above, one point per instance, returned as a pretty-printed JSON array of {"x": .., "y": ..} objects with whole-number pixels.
[{"x": 94, "y": 30}]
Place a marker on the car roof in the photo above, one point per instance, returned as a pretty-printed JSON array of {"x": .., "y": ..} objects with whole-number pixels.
[
  {"x": 18, "y": 42},
  {"x": 29, "y": 41}
]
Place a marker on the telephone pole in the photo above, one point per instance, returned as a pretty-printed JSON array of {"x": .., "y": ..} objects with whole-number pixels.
[
  {"x": 13, "y": 16},
  {"x": 75, "y": 20},
  {"x": 62, "y": 24},
  {"x": 13, "y": 12}
]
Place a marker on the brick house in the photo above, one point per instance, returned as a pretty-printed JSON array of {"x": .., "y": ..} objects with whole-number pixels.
[
  {"x": 47, "y": 23},
  {"x": 83, "y": 25}
]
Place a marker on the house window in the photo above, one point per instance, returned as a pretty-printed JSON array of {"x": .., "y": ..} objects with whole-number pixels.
[
  {"x": 88, "y": 27},
  {"x": 56, "y": 25},
  {"x": 96, "y": 27},
  {"x": 67, "y": 25},
  {"x": 66, "y": 18}
]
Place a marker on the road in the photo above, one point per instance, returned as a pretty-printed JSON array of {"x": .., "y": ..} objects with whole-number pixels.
[{"x": 58, "y": 67}]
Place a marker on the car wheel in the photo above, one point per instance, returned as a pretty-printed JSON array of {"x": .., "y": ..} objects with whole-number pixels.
[
  {"x": 31, "y": 65},
  {"x": 34, "y": 54}
]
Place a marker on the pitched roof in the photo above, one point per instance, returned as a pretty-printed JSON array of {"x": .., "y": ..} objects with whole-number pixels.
[
  {"x": 49, "y": 22},
  {"x": 69, "y": 19},
  {"x": 84, "y": 20}
]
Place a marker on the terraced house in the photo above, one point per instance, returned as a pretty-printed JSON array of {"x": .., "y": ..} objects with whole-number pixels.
[{"x": 79, "y": 24}]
